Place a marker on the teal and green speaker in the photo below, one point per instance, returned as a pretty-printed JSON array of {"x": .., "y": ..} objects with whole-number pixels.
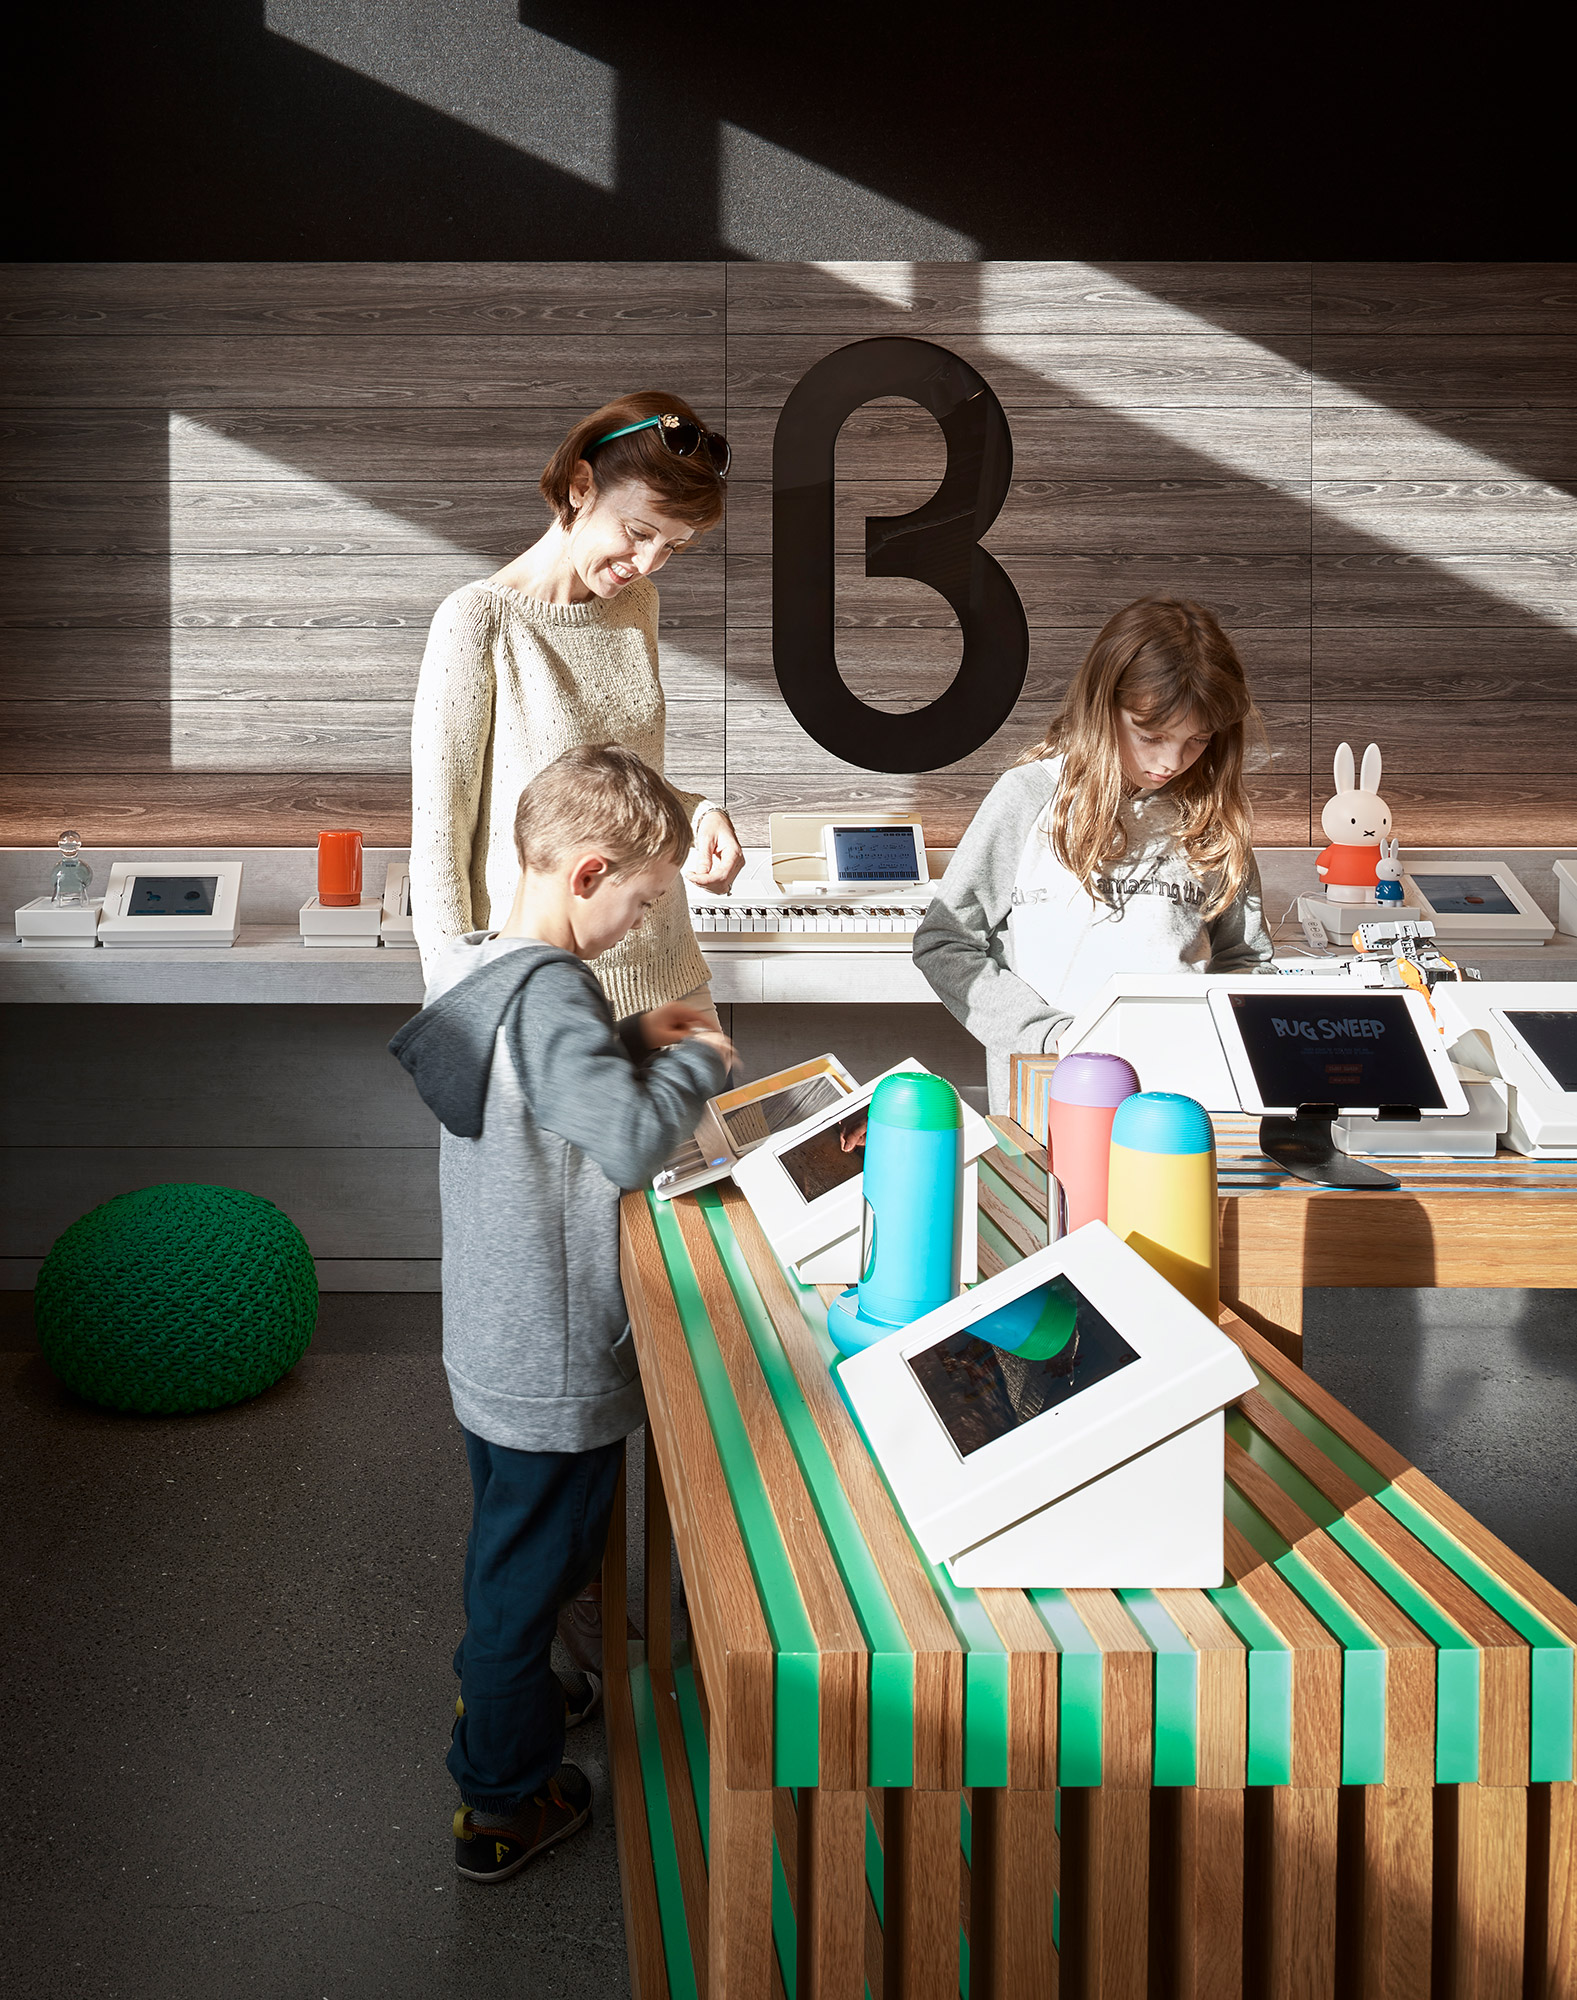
[{"x": 914, "y": 1220}]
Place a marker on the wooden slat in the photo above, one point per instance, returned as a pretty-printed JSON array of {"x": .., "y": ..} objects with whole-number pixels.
[
  {"x": 157, "y": 300},
  {"x": 732, "y": 1643},
  {"x": 637, "y": 1881},
  {"x": 831, "y": 1894},
  {"x": 1276, "y": 1311},
  {"x": 920, "y": 1861},
  {"x": 1482, "y": 1837},
  {"x": 1127, "y": 1688},
  {"x": 1300, "y": 1902},
  {"x": 1372, "y": 442},
  {"x": 1401, "y": 301},
  {"x": 176, "y": 808},
  {"x": 1525, "y": 371},
  {"x": 1032, "y": 1689},
  {"x": 1222, "y": 1668},
  {"x": 1316, "y": 1667},
  {"x": 1552, "y": 1891},
  {"x": 1105, "y": 1895},
  {"x": 938, "y": 1658},
  {"x": 843, "y": 1657},
  {"x": 686, "y": 1823},
  {"x": 1465, "y": 589},
  {"x": 1209, "y": 1937},
  {"x": 361, "y": 371},
  {"x": 1014, "y": 1875},
  {"x": 1396, "y": 1828}
]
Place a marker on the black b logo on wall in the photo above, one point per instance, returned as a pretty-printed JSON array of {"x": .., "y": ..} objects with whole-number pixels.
[{"x": 938, "y": 544}]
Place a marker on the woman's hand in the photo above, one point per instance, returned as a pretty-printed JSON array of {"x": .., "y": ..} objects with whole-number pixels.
[
  {"x": 719, "y": 856},
  {"x": 661, "y": 1027}
]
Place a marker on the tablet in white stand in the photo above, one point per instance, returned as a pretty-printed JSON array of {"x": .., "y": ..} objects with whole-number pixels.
[
  {"x": 171, "y": 903},
  {"x": 807, "y": 1188},
  {"x": 1523, "y": 1032},
  {"x": 1304, "y": 1060},
  {"x": 1060, "y": 1426}
]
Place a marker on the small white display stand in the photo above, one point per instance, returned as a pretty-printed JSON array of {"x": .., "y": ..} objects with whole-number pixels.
[
  {"x": 1566, "y": 890},
  {"x": 812, "y": 1218},
  {"x": 352, "y": 925},
  {"x": 1086, "y": 1454},
  {"x": 1474, "y": 901},
  {"x": 1340, "y": 920},
  {"x": 1523, "y": 1032},
  {"x": 74, "y": 925},
  {"x": 398, "y": 929},
  {"x": 179, "y": 903},
  {"x": 1475, "y": 1135}
]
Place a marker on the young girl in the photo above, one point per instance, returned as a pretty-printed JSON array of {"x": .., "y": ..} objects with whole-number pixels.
[{"x": 1119, "y": 844}]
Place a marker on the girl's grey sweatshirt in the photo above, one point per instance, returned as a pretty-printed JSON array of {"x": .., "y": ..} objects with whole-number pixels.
[
  {"x": 548, "y": 1110},
  {"x": 1014, "y": 945}
]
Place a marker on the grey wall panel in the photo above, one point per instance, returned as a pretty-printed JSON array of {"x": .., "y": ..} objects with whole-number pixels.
[{"x": 348, "y": 1201}]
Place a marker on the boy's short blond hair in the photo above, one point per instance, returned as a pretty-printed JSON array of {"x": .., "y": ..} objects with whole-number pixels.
[{"x": 603, "y": 796}]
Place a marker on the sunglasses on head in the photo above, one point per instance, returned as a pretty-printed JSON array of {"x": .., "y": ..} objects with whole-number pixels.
[{"x": 683, "y": 438}]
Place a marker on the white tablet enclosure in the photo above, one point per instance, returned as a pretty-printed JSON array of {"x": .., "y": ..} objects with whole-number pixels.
[
  {"x": 1358, "y": 1050},
  {"x": 815, "y": 1227},
  {"x": 1525, "y": 1033},
  {"x": 1161, "y": 1023},
  {"x": 171, "y": 903},
  {"x": 1475, "y": 900},
  {"x": 876, "y": 854},
  {"x": 1095, "y": 1468}
]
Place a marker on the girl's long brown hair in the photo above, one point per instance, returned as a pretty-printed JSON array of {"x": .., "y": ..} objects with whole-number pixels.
[{"x": 1158, "y": 658}]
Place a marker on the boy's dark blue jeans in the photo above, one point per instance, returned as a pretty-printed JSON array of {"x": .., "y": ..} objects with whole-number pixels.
[{"x": 538, "y": 1524}]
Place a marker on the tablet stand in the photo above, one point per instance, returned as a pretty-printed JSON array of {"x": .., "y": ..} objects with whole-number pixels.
[{"x": 1304, "y": 1146}]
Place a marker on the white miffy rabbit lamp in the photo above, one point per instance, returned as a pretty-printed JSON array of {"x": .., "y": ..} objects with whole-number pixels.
[{"x": 1355, "y": 822}]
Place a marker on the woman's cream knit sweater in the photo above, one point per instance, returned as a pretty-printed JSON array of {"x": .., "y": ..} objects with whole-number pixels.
[{"x": 508, "y": 684}]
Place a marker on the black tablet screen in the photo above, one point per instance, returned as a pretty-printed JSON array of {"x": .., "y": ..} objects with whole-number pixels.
[
  {"x": 1551, "y": 1033},
  {"x": 1325, "y": 1048},
  {"x": 1012, "y": 1365},
  {"x": 172, "y": 896}
]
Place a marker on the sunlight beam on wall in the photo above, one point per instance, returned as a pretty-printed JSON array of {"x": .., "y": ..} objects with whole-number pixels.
[
  {"x": 477, "y": 63},
  {"x": 772, "y": 204}
]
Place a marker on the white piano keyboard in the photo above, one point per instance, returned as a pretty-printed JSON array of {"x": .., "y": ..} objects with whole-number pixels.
[{"x": 728, "y": 926}]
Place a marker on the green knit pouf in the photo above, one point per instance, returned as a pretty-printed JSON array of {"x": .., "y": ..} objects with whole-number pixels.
[{"x": 176, "y": 1298}]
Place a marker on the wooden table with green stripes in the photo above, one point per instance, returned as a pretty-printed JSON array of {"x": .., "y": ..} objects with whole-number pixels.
[{"x": 1345, "y": 1771}]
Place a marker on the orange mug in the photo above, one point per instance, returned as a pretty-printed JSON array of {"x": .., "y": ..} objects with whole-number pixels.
[{"x": 339, "y": 869}]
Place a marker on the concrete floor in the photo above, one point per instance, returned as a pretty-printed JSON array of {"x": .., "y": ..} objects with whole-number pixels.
[{"x": 226, "y": 1689}]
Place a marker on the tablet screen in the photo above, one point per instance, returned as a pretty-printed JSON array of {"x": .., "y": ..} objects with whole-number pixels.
[
  {"x": 1465, "y": 895},
  {"x": 1551, "y": 1033},
  {"x": 1328, "y": 1049},
  {"x": 172, "y": 896},
  {"x": 748, "y": 1124},
  {"x": 1012, "y": 1365},
  {"x": 875, "y": 854},
  {"x": 827, "y": 1158}
]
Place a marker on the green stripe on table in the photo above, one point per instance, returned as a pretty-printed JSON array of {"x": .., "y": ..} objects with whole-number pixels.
[
  {"x": 796, "y": 1681},
  {"x": 1269, "y": 1688},
  {"x": 1457, "y": 1671},
  {"x": 699, "y": 1758},
  {"x": 892, "y": 1657},
  {"x": 1079, "y": 1692},
  {"x": 660, "y": 1830},
  {"x": 1176, "y": 1703},
  {"x": 1550, "y": 1695},
  {"x": 1363, "y": 1656}
]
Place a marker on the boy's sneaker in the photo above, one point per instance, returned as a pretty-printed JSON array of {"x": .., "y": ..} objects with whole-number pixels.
[
  {"x": 490, "y": 1849},
  {"x": 582, "y": 1693}
]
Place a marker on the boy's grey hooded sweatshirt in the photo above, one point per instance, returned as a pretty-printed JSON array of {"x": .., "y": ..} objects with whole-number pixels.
[
  {"x": 1014, "y": 945},
  {"x": 548, "y": 1110}
]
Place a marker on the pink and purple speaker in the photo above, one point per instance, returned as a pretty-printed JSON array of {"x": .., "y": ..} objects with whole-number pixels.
[{"x": 1084, "y": 1093}]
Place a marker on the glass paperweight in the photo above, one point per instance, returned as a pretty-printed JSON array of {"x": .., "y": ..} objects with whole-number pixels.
[{"x": 72, "y": 876}]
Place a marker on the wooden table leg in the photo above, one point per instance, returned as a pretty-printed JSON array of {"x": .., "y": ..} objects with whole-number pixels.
[
  {"x": 1290, "y": 1888},
  {"x": 830, "y": 1894},
  {"x": 1395, "y": 1892},
  {"x": 1482, "y": 1832},
  {"x": 1276, "y": 1311},
  {"x": 920, "y": 1859},
  {"x": 1209, "y": 1894},
  {"x": 1552, "y": 1891},
  {"x": 658, "y": 1565},
  {"x": 1014, "y": 1876},
  {"x": 739, "y": 1885},
  {"x": 1106, "y": 1893}
]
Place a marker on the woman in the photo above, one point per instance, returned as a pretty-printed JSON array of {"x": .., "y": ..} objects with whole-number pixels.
[{"x": 560, "y": 648}]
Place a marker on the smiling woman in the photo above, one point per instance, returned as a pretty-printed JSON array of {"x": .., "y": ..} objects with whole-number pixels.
[{"x": 557, "y": 649}]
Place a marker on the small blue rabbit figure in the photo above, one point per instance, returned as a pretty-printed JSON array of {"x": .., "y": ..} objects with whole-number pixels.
[{"x": 1388, "y": 873}]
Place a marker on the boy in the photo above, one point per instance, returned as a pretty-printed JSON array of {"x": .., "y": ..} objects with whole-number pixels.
[{"x": 548, "y": 1110}]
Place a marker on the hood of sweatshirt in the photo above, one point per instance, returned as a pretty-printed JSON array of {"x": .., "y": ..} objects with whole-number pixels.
[{"x": 448, "y": 1047}]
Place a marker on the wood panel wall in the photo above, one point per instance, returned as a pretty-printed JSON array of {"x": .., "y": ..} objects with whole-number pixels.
[{"x": 234, "y": 494}]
